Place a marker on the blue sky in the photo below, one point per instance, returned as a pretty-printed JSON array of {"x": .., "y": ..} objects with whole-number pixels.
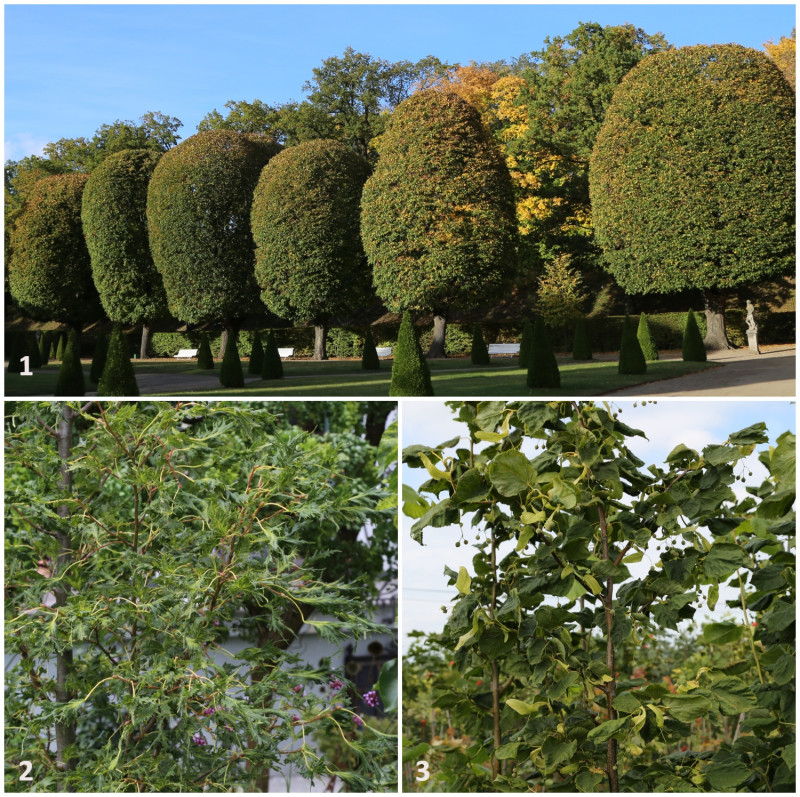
[
  {"x": 666, "y": 423},
  {"x": 71, "y": 68}
]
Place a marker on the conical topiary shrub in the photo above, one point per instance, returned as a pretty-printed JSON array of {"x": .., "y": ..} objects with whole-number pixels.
[
  {"x": 44, "y": 348},
  {"x": 369, "y": 359},
  {"x": 118, "y": 378},
  {"x": 693, "y": 348},
  {"x": 581, "y": 348},
  {"x": 273, "y": 367},
  {"x": 60, "y": 346},
  {"x": 479, "y": 354},
  {"x": 205, "y": 359},
  {"x": 645, "y": 340},
  {"x": 256, "y": 356},
  {"x": 32, "y": 351},
  {"x": 98, "y": 359},
  {"x": 410, "y": 373},
  {"x": 631, "y": 358},
  {"x": 70, "y": 375},
  {"x": 542, "y": 366},
  {"x": 526, "y": 344},
  {"x": 231, "y": 374},
  {"x": 15, "y": 350}
]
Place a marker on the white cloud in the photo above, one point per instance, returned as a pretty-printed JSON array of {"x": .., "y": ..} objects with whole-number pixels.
[{"x": 20, "y": 145}]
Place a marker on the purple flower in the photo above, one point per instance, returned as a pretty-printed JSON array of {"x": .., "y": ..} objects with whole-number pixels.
[
  {"x": 335, "y": 684},
  {"x": 371, "y": 698},
  {"x": 216, "y": 622},
  {"x": 198, "y": 738},
  {"x": 208, "y": 711},
  {"x": 296, "y": 718},
  {"x": 357, "y": 720},
  {"x": 228, "y": 727},
  {"x": 297, "y": 688}
]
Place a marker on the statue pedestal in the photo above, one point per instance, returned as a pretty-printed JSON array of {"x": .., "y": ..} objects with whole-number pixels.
[{"x": 752, "y": 342}]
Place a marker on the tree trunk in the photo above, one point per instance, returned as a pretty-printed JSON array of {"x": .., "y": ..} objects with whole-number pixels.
[
  {"x": 65, "y": 731},
  {"x": 223, "y": 341},
  {"x": 320, "y": 341},
  {"x": 144, "y": 348},
  {"x": 716, "y": 338},
  {"x": 439, "y": 332}
]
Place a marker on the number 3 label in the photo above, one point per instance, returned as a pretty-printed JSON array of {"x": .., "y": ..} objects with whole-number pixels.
[
  {"x": 26, "y": 770},
  {"x": 423, "y": 773}
]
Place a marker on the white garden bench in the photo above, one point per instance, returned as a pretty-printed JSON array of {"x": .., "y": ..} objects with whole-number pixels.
[
  {"x": 384, "y": 351},
  {"x": 503, "y": 348},
  {"x": 284, "y": 353},
  {"x": 185, "y": 354}
]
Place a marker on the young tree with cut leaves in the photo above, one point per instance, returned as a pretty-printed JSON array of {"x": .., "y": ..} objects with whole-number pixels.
[
  {"x": 551, "y": 602},
  {"x": 132, "y": 549},
  {"x": 693, "y": 176}
]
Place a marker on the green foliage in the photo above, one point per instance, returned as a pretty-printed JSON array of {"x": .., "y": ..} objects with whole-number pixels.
[
  {"x": 369, "y": 359},
  {"x": 583, "y": 651},
  {"x": 631, "y": 356},
  {"x": 438, "y": 219},
  {"x": 115, "y": 227},
  {"x": 50, "y": 274},
  {"x": 693, "y": 348},
  {"x": 242, "y": 520},
  {"x": 256, "y": 356},
  {"x": 649, "y": 349},
  {"x": 118, "y": 378},
  {"x": 70, "y": 374},
  {"x": 680, "y": 192},
  {"x": 231, "y": 374},
  {"x": 272, "y": 367},
  {"x": 98, "y": 358},
  {"x": 581, "y": 348},
  {"x": 60, "y": 345},
  {"x": 310, "y": 263},
  {"x": 479, "y": 353},
  {"x": 542, "y": 366},
  {"x": 526, "y": 344},
  {"x": 560, "y": 293},
  {"x": 205, "y": 359},
  {"x": 32, "y": 350},
  {"x": 198, "y": 216},
  {"x": 410, "y": 373}
]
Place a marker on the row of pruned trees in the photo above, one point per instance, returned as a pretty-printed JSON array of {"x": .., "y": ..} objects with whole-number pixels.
[{"x": 689, "y": 164}]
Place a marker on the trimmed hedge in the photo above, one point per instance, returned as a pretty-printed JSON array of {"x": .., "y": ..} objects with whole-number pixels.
[
  {"x": 410, "y": 373},
  {"x": 231, "y": 374},
  {"x": 70, "y": 374},
  {"x": 272, "y": 367},
  {"x": 542, "y": 366},
  {"x": 118, "y": 378},
  {"x": 369, "y": 359},
  {"x": 479, "y": 354},
  {"x": 693, "y": 348},
  {"x": 631, "y": 356},
  {"x": 649, "y": 349},
  {"x": 98, "y": 359}
]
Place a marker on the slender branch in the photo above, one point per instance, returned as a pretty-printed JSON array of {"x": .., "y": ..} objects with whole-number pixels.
[{"x": 493, "y": 665}]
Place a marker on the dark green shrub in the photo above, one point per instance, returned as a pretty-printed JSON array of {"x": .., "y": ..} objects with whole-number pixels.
[
  {"x": 70, "y": 375},
  {"x": 15, "y": 353},
  {"x": 98, "y": 359},
  {"x": 205, "y": 359},
  {"x": 526, "y": 344},
  {"x": 649, "y": 349},
  {"x": 118, "y": 378},
  {"x": 32, "y": 351},
  {"x": 693, "y": 348},
  {"x": 231, "y": 374},
  {"x": 631, "y": 357},
  {"x": 479, "y": 354},
  {"x": 61, "y": 345},
  {"x": 410, "y": 373},
  {"x": 45, "y": 344},
  {"x": 369, "y": 359},
  {"x": 542, "y": 366},
  {"x": 581, "y": 348},
  {"x": 272, "y": 367},
  {"x": 256, "y": 356}
]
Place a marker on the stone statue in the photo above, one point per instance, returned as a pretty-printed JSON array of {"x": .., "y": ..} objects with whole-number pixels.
[{"x": 752, "y": 329}]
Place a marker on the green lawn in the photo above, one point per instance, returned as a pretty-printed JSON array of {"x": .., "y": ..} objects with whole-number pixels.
[{"x": 452, "y": 377}]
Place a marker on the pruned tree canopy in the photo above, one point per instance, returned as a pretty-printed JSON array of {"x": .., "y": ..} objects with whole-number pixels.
[
  {"x": 198, "y": 214},
  {"x": 50, "y": 273}
]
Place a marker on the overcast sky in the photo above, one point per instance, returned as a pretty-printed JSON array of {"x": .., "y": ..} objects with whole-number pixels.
[
  {"x": 666, "y": 424},
  {"x": 71, "y": 68}
]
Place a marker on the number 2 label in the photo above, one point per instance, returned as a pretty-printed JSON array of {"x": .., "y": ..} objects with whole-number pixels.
[{"x": 26, "y": 770}]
